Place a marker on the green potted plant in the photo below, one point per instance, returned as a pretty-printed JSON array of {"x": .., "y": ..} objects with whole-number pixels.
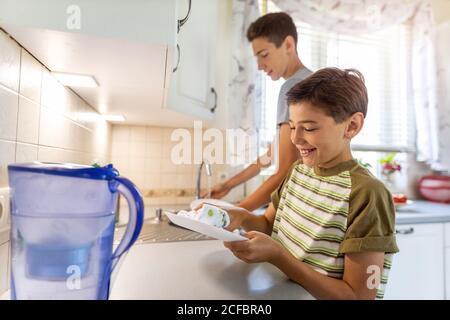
[{"x": 389, "y": 167}]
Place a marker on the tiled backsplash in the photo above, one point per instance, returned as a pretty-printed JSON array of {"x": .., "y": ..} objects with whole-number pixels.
[
  {"x": 42, "y": 120},
  {"x": 143, "y": 155}
]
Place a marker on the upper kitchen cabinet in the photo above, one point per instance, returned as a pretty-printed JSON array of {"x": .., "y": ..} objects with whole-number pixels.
[
  {"x": 144, "y": 21},
  {"x": 192, "y": 81},
  {"x": 127, "y": 46}
]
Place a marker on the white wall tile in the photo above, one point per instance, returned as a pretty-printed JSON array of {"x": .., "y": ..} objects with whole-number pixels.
[
  {"x": 7, "y": 156},
  {"x": 85, "y": 115},
  {"x": 167, "y": 166},
  {"x": 153, "y": 166},
  {"x": 28, "y": 122},
  {"x": 120, "y": 149},
  {"x": 169, "y": 181},
  {"x": 185, "y": 168},
  {"x": 121, "y": 163},
  {"x": 101, "y": 143},
  {"x": 137, "y": 177},
  {"x": 153, "y": 150},
  {"x": 73, "y": 106},
  {"x": 26, "y": 152},
  {"x": 102, "y": 159},
  {"x": 53, "y": 129},
  {"x": 167, "y": 149},
  {"x": 167, "y": 134},
  {"x": 48, "y": 121},
  {"x": 152, "y": 181},
  {"x": 30, "y": 77},
  {"x": 120, "y": 133},
  {"x": 4, "y": 262},
  {"x": 137, "y": 164},
  {"x": 9, "y": 62},
  {"x": 138, "y": 134},
  {"x": 71, "y": 156},
  {"x": 48, "y": 154},
  {"x": 154, "y": 134},
  {"x": 157, "y": 168},
  {"x": 137, "y": 148},
  {"x": 54, "y": 95},
  {"x": 8, "y": 114},
  {"x": 78, "y": 138},
  {"x": 74, "y": 136},
  {"x": 185, "y": 180}
]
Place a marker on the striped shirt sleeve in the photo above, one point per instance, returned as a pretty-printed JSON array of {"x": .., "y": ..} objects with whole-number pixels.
[{"x": 371, "y": 219}]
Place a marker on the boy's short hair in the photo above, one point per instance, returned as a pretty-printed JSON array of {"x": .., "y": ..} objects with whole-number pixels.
[
  {"x": 339, "y": 93},
  {"x": 273, "y": 26}
]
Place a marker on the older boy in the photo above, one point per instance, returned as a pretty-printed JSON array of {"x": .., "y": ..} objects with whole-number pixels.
[
  {"x": 331, "y": 222},
  {"x": 274, "y": 43}
]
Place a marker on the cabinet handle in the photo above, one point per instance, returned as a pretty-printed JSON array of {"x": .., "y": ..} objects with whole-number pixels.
[
  {"x": 404, "y": 231},
  {"x": 178, "y": 59},
  {"x": 185, "y": 19},
  {"x": 215, "y": 100}
]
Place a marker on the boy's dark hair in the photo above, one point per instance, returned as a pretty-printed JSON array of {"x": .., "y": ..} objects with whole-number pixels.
[
  {"x": 339, "y": 93},
  {"x": 273, "y": 26}
]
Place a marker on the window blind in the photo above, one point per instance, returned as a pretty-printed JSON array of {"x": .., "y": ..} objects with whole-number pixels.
[{"x": 383, "y": 57}]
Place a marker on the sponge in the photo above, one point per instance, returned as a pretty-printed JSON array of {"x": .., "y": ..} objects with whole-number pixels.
[{"x": 209, "y": 214}]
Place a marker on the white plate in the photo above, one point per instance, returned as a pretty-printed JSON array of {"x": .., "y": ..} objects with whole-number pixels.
[
  {"x": 214, "y": 202},
  {"x": 203, "y": 228}
]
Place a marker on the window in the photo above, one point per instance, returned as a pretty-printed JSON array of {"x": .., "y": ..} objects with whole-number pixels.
[{"x": 383, "y": 58}]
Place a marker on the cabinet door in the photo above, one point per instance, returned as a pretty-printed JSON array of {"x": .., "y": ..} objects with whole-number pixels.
[
  {"x": 418, "y": 269},
  {"x": 447, "y": 234},
  {"x": 447, "y": 273},
  {"x": 191, "y": 83},
  {"x": 4, "y": 265},
  {"x": 149, "y": 22}
]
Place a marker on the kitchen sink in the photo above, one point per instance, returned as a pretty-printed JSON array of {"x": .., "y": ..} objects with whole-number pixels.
[{"x": 160, "y": 229}]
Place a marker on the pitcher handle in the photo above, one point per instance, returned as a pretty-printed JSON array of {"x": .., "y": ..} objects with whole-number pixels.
[{"x": 136, "y": 219}]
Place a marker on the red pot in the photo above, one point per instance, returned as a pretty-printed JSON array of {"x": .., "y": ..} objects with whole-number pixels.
[{"x": 435, "y": 188}]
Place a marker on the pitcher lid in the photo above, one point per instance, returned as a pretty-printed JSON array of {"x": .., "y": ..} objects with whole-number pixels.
[{"x": 107, "y": 172}]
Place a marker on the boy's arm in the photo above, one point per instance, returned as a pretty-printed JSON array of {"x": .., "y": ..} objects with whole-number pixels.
[
  {"x": 362, "y": 273},
  {"x": 220, "y": 190},
  {"x": 288, "y": 154},
  {"x": 357, "y": 281},
  {"x": 240, "y": 217}
]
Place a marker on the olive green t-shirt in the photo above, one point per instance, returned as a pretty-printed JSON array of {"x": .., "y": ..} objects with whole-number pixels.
[{"x": 323, "y": 213}]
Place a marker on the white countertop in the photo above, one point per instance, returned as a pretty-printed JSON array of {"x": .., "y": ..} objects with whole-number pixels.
[
  {"x": 420, "y": 211},
  {"x": 198, "y": 270},
  {"x": 207, "y": 270}
]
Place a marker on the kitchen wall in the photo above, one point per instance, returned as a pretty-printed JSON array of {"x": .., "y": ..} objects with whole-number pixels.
[
  {"x": 143, "y": 155},
  {"x": 41, "y": 120},
  {"x": 441, "y": 10}
]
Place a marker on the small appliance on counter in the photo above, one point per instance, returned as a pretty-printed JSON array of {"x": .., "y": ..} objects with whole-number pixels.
[
  {"x": 62, "y": 229},
  {"x": 435, "y": 188}
]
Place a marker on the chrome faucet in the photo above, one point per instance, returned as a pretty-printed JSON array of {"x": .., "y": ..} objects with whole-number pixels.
[{"x": 199, "y": 175}]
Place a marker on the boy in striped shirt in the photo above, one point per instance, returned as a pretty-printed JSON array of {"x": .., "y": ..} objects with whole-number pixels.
[{"x": 330, "y": 226}]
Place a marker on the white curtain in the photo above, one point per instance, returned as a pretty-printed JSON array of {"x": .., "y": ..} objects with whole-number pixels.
[
  {"x": 349, "y": 16},
  {"x": 364, "y": 16},
  {"x": 443, "y": 80},
  {"x": 245, "y": 80}
]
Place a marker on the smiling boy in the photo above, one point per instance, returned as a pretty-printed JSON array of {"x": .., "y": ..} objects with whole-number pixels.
[
  {"x": 274, "y": 43},
  {"x": 331, "y": 222}
]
